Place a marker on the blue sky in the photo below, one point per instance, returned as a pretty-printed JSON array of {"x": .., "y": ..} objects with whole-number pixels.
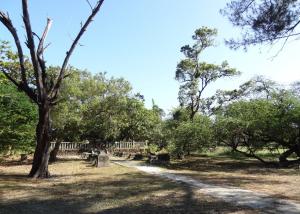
[{"x": 140, "y": 40}]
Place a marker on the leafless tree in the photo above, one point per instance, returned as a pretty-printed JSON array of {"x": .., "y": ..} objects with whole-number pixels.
[{"x": 45, "y": 92}]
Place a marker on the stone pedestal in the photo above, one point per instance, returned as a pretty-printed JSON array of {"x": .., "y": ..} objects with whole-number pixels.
[
  {"x": 23, "y": 157},
  {"x": 102, "y": 160}
]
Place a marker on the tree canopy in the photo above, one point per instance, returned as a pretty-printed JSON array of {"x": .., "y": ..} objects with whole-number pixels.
[{"x": 264, "y": 119}]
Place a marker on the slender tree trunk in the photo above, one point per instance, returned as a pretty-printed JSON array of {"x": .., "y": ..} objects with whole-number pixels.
[
  {"x": 189, "y": 149},
  {"x": 42, "y": 151},
  {"x": 192, "y": 115},
  {"x": 53, "y": 153}
]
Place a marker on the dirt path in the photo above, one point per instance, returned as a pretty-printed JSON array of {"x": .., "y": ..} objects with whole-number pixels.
[{"x": 232, "y": 195}]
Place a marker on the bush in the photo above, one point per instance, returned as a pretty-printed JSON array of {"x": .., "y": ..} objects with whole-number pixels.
[
  {"x": 153, "y": 148},
  {"x": 191, "y": 136}
]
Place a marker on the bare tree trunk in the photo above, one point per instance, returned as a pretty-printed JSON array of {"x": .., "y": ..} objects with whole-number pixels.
[
  {"x": 42, "y": 151},
  {"x": 53, "y": 153}
]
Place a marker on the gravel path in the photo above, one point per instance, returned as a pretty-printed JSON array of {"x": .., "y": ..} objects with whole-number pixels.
[{"x": 229, "y": 194}]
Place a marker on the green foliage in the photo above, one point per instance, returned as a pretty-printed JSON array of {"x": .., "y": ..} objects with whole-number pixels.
[
  {"x": 256, "y": 88},
  {"x": 153, "y": 148},
  {"x": 91, "y": 107},
  {"x": 18, "y": 118},
  {"x": 9, "y": 62},
  {"x": 264, "y": 123},
  {"x": 139, "y": 123},
  {"x": 190, "y": 136},
  {"x": 95, "y": 107},
  {"x": 67, "y": 114}
]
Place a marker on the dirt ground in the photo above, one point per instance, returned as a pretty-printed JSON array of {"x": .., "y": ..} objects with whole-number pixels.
[
  {"x": 245, "y": 174},
  {"x": 76, "y": 187}
]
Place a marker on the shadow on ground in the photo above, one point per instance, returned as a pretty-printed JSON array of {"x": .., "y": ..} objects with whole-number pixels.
[{"x": 113, "y": 189}]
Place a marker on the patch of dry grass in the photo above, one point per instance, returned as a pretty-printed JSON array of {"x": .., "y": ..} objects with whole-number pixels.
[
  {"x": 76, "y": 187},
  {"x": 247, "y": 174}
]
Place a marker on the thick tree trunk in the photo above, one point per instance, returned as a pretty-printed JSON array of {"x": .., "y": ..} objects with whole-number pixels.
[
  {"x": 42, "y": 151},
  {"x": 283, "y": 159},
  {"x": 53, "y": 153}
]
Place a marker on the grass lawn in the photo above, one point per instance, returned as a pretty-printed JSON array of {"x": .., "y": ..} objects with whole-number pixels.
[
  {"x": 241, "y": 172},
  {"x": 76, "y": 187}
]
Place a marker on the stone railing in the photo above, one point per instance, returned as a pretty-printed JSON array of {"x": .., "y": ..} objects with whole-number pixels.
[
  {"x": 71, "y": 146},
  {"x": 130, "y": 145}
]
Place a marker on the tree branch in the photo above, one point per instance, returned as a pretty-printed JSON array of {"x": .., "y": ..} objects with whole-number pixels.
[
  {"x": 247, "y": 6},
  {"x": 31, "y": 46},
  {"x": 10, "y": 78},
  {"x": 95, "y": 10},
  {"x": 40, "y": 50},
  {"x": 89, "y": 3},
  {"x": 251, "y": 155},
  {"x": 21, "y": 86},
  {"x": 6, "y": 21},
  {"x": 254, "y": 41}
]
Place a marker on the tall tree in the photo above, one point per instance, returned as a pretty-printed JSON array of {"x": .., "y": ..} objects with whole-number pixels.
[
  {"x": 45, "y": 91},
  {"x": 195, "y": 76},
  {"x": 263, "y": 21}
]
